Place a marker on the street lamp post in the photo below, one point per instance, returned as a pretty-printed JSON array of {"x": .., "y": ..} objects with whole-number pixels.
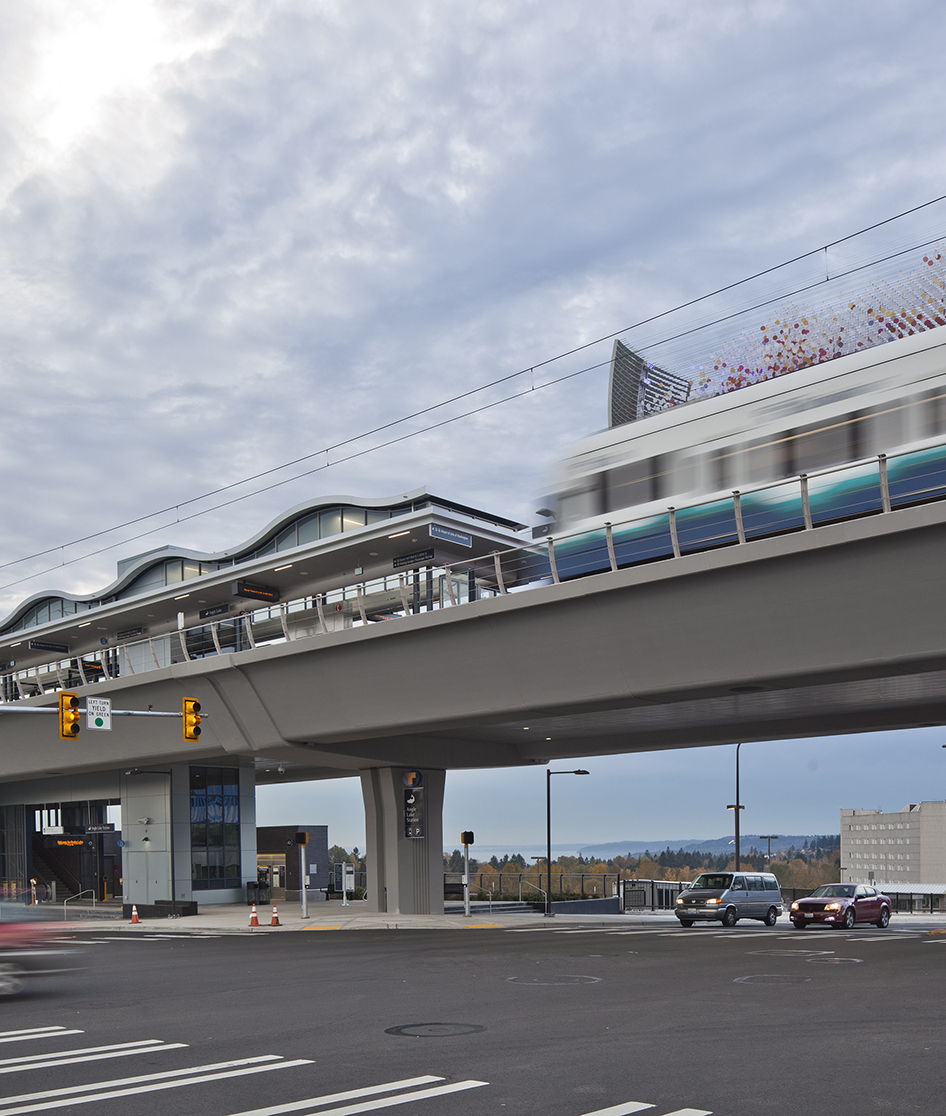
[
  {"x": 770, "y": 837},
  {"x": 548, "y": 833},
  {"x": 736, "y": 807}
]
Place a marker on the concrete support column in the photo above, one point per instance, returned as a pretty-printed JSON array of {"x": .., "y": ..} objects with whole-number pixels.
[{"x": 405, "y": 874}]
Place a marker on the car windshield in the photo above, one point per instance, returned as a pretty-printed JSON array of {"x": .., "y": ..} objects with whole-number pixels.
[
  {"x": 718, "y": 881},
  {"x": 833, "y": 891}
]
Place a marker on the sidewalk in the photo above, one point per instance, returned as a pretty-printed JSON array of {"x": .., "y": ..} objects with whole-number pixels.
[{"x": 234, "y": 919}]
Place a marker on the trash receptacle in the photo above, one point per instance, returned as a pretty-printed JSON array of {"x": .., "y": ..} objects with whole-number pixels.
[
  {"x": 263, "y": 893},
  {"x": 251, "y": 889}
]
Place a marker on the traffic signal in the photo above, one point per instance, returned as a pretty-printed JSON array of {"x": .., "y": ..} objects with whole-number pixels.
[
  {"x": 466, "y": 837},
  {"x": 68, "y": 716},
  {"x": 191, "y": 718},
  {"x": 302, "y": 837}
]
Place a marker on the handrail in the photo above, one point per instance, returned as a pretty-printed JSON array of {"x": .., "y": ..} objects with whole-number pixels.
[
  {"x": 529, "y": 883},
  {"x": 88, "y": 891},
  {"x": 492, "y": 578}
]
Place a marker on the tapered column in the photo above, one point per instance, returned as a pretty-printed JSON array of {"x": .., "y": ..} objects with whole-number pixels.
[{"x": 404, "y": 831}]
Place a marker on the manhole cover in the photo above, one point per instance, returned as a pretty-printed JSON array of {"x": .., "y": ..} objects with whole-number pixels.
[
  {"x": 434, "y": 1030},
  {"x": 771, "y": 978},
  {"x": 808, "y": 954},
  {"x": 554, "y": 980},
  {"x": 835, "y": 960}
]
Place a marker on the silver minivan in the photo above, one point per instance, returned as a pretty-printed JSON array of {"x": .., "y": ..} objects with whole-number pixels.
[{"x": 728, "y": 896}]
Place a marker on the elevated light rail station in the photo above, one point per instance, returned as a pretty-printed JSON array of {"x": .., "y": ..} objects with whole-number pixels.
[{"x": 709, "y": 577}]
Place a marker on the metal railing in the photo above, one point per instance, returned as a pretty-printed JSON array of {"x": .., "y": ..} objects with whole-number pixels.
[
  {"x": 88, "y": 891},
  {"x": 802, "y": 503}
]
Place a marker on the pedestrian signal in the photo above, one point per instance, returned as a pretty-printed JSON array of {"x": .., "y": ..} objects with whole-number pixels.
[
  {"x": 302, "y": 837},
  {"x": 68, "y": 716},
  {"x": 466, "y": 837},
  {"x": 191, "y": 716}
]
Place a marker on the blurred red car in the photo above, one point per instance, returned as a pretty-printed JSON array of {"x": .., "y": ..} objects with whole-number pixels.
[
  {"x": 30, "y": 948},
  {"x": 841, "y": 906}
]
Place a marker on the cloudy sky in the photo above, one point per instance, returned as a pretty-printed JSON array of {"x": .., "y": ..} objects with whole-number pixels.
[{"x": 238, "y": 232}]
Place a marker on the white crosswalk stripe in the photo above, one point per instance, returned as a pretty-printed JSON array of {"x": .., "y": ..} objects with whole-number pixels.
[
  {"x": 89, "y": 1054},
  {"x": 367, "y": 1105},
  {"x": 37, "y": 1033},
  {"x": 639, "y": 1106}
]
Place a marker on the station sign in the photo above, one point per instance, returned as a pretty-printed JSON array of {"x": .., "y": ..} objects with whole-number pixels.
[
  {"x": 98, "y": 713},
  {"x": 105, "y": 827},
  {"x": 447, "y": 534},
  {"x": 414, "y": 812},
  {"x": 251, "y": 589},
  {"x": 128, "y": 633},
  {"x": 417, "y": 559},
  {"x": 42, "y": 645},
  {"x": 217, "y": 610}
]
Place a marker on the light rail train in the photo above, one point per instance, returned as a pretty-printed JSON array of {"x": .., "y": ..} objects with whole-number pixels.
[{"x": 889, "y": 400}]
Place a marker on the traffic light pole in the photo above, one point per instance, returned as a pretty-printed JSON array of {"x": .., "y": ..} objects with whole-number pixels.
[{"x": 304, "y": 895}]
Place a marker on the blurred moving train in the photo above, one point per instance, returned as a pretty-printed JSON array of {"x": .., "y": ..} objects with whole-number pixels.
[{"x": 860, "y": 429}]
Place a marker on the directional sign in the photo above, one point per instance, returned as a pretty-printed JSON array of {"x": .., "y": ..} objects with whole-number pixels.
[{"x": 98, "y": 713}]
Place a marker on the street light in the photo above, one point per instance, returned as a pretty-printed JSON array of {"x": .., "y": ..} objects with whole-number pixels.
[
  {"x": 548, "y": 833},
  {"x": 770, "y": 837},
  {"x": 736, "y": 807}
]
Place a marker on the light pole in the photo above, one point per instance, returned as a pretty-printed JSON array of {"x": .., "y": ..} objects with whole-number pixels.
[
  {"x": 736, "y": 807},
  {"x": 770, "y": 837},
  {"x": 548, "y": 833}
]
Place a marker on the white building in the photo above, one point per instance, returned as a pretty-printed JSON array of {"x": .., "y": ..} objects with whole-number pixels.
[{"x": 903, "y": 848}]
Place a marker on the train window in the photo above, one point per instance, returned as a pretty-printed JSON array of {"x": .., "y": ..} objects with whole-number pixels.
[
  {"x": 878, "y": 430},
  {"x": 821, "y": 445},
  {"x": 582, "y": 502},
  {"x": 631, "y": 484},
  {"x": 925, "y": 415},
  {"x": 722, "y": 467},
  {"x": 674, "y": 473},
  {"x": 768, "y": 459}
]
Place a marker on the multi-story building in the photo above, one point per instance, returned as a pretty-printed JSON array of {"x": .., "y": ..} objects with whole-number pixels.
[{"x": 907, "y": 847}]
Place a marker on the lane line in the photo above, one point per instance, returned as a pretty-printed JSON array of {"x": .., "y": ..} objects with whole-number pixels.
[
  {"x": 63, "y": 1060},
  {"x": 56, "y": 1029},
  {"x": 402, "y": 1098},
  {"x": 23, "y": 1036},
  {"x": 620, "y": 1109},
  {"x": 690, "y": 1112},
  {"x": 334, "y": 1098},
  {"x": 45, "y": 1106},
  {"x": 142, "y": 1078},
  {"x": 34, "y": 1058}
]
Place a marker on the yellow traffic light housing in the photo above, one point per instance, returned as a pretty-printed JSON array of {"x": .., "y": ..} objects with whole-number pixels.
[
  {"x": 191, "y": 717},
  {"x": 68, "y": 716}
]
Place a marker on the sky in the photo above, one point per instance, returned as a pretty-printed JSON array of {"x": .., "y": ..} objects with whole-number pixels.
[{"x": 237, "y": 232}]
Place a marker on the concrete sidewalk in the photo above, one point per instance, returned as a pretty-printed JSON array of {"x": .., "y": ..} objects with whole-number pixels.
[{"x": 234, "y": 919}]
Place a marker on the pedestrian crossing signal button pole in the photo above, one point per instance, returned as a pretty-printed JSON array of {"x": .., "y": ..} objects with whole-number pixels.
[
  {"x": 191, "y": 717},
  {"x": 68, "y": 716}
]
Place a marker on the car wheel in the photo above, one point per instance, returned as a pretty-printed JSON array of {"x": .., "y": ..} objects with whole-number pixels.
[
  {"x": 884, "y": 919},
  {"x": 849, "y": 919},
  {"x": 771, "y": 917},
  {"x": 686, "y": 923},
  {"x": 798, "y": 924},
  {"x": 729, "y": 917}
]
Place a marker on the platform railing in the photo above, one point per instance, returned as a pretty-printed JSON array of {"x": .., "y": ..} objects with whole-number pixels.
[{"x": 389, "y": 597}]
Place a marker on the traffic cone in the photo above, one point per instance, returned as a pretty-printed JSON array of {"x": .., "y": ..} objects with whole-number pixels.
[
  {"x": 134, "y": 915},
  {"x": 254, "y": 921},
  {"x": 275, "y": 921}
]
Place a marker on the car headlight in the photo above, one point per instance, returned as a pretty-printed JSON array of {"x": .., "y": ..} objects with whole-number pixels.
[
  {"x": 833, "y": 907},
  {"x": 679, "y": 900},
  {"x": 794, "y": 906},
  {"x": 714, "y": 901}
]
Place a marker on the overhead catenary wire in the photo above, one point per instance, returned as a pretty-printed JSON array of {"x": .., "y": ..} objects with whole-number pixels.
[{"x": 530, "y": 370}]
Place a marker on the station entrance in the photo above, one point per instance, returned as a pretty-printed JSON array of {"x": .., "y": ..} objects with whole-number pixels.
[{"x": 74, "y": 849}]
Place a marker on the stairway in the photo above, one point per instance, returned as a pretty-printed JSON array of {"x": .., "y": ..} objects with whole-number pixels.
[{"x": 47, "y": 875}]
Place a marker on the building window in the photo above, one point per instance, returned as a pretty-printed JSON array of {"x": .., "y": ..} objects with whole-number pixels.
[{"x": 215, "y": 828}]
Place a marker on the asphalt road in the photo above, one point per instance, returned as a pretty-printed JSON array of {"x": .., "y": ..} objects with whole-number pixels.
[{"x": 546, "y": 1022}]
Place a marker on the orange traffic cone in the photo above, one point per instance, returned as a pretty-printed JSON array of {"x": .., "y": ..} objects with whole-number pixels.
[
  {"x": 275, "y": 921},
  {"x": 254, "y": 921},
  {"x": 134, "y": 914}
]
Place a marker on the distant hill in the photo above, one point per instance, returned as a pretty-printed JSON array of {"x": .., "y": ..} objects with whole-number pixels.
[{"x": 711, "y": 845}]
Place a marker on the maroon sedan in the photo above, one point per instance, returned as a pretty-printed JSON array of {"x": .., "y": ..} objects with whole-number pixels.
[{"x": 841, "y": 905}]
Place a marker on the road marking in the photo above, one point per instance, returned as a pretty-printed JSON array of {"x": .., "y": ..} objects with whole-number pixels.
[
  {"x": 36, "y": 1033},
  {"x": 620, "y": 1109},
  {"x": 321, "y": 927},
  {"x": 171, "y": 1079},
  {"x": 333, "y": 1098},
  {"x": 480, "y": 925},
  {"x": 69, "y": 1057},
  {"x": 690, "y": 1112},
  {"x": 374, "y": 1105}
]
